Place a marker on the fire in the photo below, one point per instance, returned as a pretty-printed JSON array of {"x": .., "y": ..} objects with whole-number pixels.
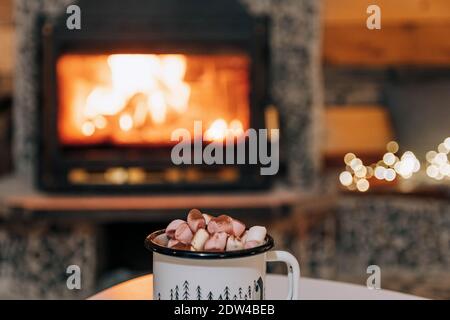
[
  {"x": 88, "y": 128},
  {"x": 143, "y": 98},
  {"x": 149, "y": 84},
  {"x": 220, "y": 129},
  {"x": 126, "y": 122}
]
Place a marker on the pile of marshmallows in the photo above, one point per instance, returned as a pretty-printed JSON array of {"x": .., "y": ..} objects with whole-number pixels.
[{"x": 203, "y": 232}]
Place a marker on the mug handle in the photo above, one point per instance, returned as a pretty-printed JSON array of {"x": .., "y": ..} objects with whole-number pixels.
[{"x": 293, "y": 270}]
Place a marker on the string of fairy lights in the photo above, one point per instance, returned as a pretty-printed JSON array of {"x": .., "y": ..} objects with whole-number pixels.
[{"x": 357, "y": 175}]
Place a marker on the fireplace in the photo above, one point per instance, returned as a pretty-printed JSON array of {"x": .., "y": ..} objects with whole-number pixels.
[{"x": 114, "y": 91}]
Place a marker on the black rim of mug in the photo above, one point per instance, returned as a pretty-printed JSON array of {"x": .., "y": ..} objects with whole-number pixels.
[{"x": 152, "y": 246}]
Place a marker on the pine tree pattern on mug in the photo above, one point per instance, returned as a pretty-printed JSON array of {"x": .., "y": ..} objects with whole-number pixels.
[
  {"x": 186, "y": 290},
  {"x": 256, "y": 290},
  {"x": 199, "y": 293},
  {"x": 176, "y": 293}
]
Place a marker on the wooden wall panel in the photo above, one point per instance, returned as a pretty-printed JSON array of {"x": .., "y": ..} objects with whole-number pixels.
[
  {"x": 6, "y": 50},
  {"x": 395, "y": 45},
  {"x": 413, "y": 32},
  {"x": 393, "y": 11},
  {"x": 6, "y": 45},
  {"x": 364, "y": 130},
  {"x": 6, "y": 11}
]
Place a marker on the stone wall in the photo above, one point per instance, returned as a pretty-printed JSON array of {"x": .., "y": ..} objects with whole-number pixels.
[
  {"x": 367, "y": 86},
  {"x": 26, "y": 79},
  {"x": 407, "y": 237},
  {"x": 297, "y": 81},
  {"x": 354, "y": 86},
  {"x": 34, "y": 257}
]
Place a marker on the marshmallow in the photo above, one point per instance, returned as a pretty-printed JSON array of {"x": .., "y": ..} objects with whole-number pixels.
[
  {"x": 207, "y": 217},
  {"x": 203, "y": 232},
  {"x": 199, "y": 240},
  {"x": 184, "y": 233},
  {"x": 195, "y": 220},
  {"x": 238, "y": 227},
  {"x": 172, "y": 227},
  {"x": 172, "y": 243},
  {"x": 252, "y": 244},
  {"x": 217, "y": 242},
  {"x": 222, "y": 223},
  {"x": 257, "y": 234},
  {"x": 162, "y": 240},
  {"x": 244, "y": 237},
  {"x": 234, "y": 243}
]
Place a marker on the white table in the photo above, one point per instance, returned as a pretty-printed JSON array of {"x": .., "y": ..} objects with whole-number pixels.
[{"x": 310, "y": 289}]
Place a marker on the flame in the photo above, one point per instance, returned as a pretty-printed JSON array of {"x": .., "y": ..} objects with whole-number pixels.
[
  {"x": 126, "y": 122},
  {"x": 100, "y": 122},
  {"x": 88, "y": 129},
  {"x": 103, "y": 101},
  {"x": 236, "y": 128},
  {"x": 158, "y": 78},
  {"x": 220, "y": 129},
  {"x": 157, "y": 107},
  {"x": 132, "y": 73}
]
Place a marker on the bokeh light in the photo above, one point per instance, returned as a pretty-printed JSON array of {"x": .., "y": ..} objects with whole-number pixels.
[
  {"x": 438, "y": 163},
  {"x": 348, "y": 158},
  {"x": 392, "y": 147},
  {"x": 362, "y": 185},
  {"x": 346, "y": 178},
  {"x": 379, "y": 172},
  {"x": 390, "y": 175},
  {"x": 389, "y": 158},
  {"x": 393, "y": 166},
  {"x": 447, "y": 143},
  {"x": 355, "y": 164}
]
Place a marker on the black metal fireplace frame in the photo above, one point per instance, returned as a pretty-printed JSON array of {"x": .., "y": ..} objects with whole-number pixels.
[{"x": 149, "y": 26}]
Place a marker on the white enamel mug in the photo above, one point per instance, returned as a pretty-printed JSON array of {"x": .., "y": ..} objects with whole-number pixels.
[{"x": 230, "y": 275}]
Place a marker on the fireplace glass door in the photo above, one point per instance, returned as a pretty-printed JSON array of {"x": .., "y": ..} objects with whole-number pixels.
[{"x": 140, "y": 99}]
